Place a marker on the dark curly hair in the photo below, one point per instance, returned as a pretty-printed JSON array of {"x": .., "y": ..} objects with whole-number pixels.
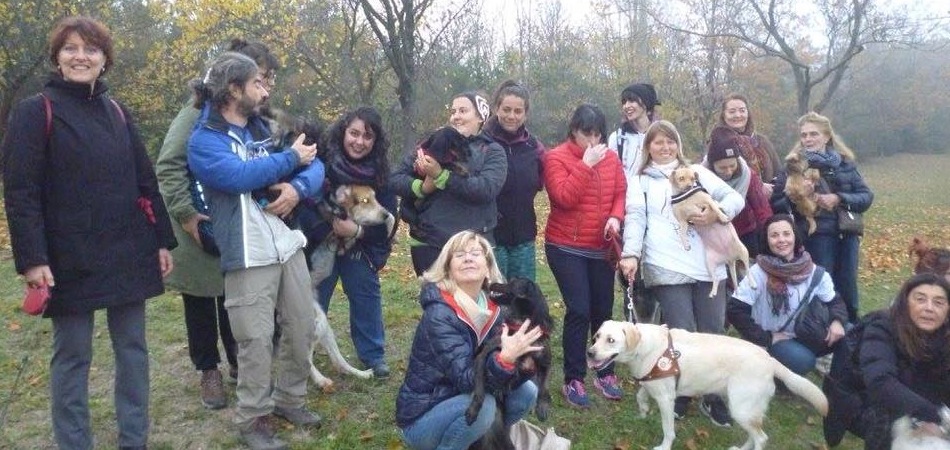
[{"x": 333, "y": 139}]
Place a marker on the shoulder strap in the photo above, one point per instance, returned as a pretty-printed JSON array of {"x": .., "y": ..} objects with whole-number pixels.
[
  {"x": 806, "y": 299},
  {"x": 48, "y": 106},
  {"x": 49, "y": 114}
]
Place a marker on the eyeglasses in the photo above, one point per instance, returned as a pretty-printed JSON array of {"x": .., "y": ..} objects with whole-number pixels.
[{"x": 474, "y": 253}]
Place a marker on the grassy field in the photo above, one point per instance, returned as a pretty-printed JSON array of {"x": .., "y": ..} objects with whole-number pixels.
[{"x": 911, "y": 199}]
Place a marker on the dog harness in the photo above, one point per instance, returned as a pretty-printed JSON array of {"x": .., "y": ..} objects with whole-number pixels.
[
  {"x": 666, "y": 365},
  {"x": 696, "y": 187}
]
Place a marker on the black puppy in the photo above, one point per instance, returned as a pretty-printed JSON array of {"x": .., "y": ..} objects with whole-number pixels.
[
  {"x": 522, "y": 299},
  {"x": 285, "y": 128}
]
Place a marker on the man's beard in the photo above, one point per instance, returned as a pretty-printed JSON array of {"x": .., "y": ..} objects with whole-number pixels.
[{"x": 247, "y": 106}]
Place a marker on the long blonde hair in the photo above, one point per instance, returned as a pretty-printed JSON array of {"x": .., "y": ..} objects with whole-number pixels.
[
  {"x": 439, "y": 272},
  {"x": 824, "y": 126},
  {"x": 666, "y": 128}
]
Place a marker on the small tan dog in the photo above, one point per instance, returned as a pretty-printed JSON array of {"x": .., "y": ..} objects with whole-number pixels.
[
  {"x": 800, "y": 188},
  {"x": 720, "y": 239},
  {"x": 671, "y": 363}
]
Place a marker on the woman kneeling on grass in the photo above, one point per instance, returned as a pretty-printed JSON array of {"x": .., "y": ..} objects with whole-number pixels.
[
  {"x": 893, "y": 363},
  {"x": 458, "y": 315},
  {"x": 783, "y": 274}
]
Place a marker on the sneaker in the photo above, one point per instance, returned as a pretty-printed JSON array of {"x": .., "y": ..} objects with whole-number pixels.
[
  {"x": 576, "y": 394},
  {"x": 260, "y": 435},
  {"x": 717, "y": 412},
  {"x": 609, "y": 386},
  {"x": 680, "y": 406},
  {"x": 381, "y": 371},
  {"x": 212, "y": 389},
  {"x": 301, "y": 417}
]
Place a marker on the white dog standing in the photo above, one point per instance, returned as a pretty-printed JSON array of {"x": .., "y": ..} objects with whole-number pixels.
[{"x": 739, "y": 371}]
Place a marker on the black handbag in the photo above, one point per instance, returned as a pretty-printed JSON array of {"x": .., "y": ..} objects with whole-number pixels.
[
  {"x": 850, "y": 222},
  {"x": 812, "y": 318}
]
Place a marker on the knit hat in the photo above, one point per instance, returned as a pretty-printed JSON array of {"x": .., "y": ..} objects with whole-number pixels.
[
  {"x": 723, "y": 143},
  {"x": 643, "y": 91}
]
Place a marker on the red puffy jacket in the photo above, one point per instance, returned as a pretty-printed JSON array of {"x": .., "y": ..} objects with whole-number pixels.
[{"x": 582, "y": 198}]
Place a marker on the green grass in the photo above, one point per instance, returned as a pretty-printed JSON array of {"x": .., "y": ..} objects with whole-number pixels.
[{"x": 910, "y": 199}]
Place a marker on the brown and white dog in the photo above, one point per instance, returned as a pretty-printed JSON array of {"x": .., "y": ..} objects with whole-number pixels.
[
  {"x": 800, "y": 188},
  {"x": 358, "y": 203},
  {"x": 671, "y": 363},
  {"x": 349, "y": 201},
  {"x": 720, "y": 239}
]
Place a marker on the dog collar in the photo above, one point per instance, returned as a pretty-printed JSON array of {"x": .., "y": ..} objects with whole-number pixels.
[
  {"x": 686, "y": 194},
  {"x": 666, "y": 365}
]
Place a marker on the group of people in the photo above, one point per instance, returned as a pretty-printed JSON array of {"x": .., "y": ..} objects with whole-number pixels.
[{"x": 236, "y": 212}]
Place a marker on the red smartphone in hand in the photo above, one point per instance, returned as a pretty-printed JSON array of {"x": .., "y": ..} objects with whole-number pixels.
[{"x": 35, "y": 300}]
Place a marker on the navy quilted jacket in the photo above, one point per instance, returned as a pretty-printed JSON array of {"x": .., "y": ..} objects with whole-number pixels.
[{"x": 441, "y": 362}]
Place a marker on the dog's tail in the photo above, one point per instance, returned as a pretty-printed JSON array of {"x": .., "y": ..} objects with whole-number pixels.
[{"x": 801, "y": 387}]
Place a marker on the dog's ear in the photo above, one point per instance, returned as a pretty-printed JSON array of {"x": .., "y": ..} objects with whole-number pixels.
[
  {"x": 631, "y": 335},
  {"x": 342, "y": 195}
]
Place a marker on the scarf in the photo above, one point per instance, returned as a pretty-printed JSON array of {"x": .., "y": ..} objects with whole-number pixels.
[
  {"x": 493, "y": 128},
  {"x": 475, "y": 309},
  {"x": 780, "y": 274},
  {"x": 828, "y": 159},
  {"x": 665, "y": 169},
  {"x": 741, "y": 179},
  {"x": 752, "y": 152},
  {"x": 341, "y": 169}
]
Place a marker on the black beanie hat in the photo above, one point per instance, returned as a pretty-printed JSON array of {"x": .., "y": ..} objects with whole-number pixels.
[
  {"x": 723, "y": 143},
  {"x": 642, "y": 91}
]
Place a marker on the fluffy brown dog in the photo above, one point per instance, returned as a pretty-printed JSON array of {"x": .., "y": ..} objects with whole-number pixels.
[
  {"x": 929, "y": 259},
  {"x": 800, "y": 188},
  {"x": 720, "y": 239}
]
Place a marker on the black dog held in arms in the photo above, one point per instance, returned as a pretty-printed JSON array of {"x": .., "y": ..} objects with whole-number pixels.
[{"x": 522, "y": 299}]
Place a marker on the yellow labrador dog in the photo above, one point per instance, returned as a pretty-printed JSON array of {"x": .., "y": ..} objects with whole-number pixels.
[{"x": 739, "y": 371}]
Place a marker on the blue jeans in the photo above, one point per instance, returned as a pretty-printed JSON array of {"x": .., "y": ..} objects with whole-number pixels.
[
  {"x": 517, "y": 261},
  {"x": 838, "y": 254},
  {"x": 794, "y": 355},
  {"x": 69, "y": 376},
  {"x": 362, "y": 289},
  {"x": 587, "y": 286},
  {"x": 443, "y": 427}
]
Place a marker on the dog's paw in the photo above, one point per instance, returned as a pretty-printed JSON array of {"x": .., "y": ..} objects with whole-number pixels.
[
  {"x": 327, "y": 386},
  {"x": 542, "y": 410}
]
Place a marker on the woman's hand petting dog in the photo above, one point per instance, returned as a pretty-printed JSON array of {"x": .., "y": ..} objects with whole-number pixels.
[{"x": 520, "y": 342}]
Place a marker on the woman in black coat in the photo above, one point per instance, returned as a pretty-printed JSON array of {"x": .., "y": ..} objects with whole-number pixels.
[
  {"x": 87, "y": 221},
  {"x": 893, "y": 363}
]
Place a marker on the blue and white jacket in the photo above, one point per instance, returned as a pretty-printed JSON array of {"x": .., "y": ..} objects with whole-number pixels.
[{"x": 229, "y": 164}]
